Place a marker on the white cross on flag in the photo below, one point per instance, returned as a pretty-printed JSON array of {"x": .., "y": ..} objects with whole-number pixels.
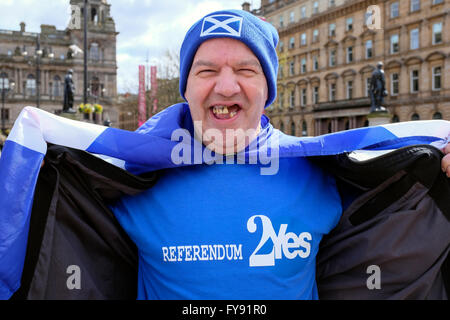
[{"x": 222, "y": 24}]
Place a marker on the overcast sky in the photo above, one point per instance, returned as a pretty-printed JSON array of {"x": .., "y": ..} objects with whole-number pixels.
[{"x": 147, "y": 28}]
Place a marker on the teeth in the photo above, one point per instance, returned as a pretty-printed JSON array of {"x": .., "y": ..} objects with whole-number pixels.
[
  {"x": 223, "y": 110},
  {"x": 220, "y": 109}
]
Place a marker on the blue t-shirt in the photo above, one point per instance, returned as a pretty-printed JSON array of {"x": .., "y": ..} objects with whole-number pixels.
[{"x": 225, "y": 231}]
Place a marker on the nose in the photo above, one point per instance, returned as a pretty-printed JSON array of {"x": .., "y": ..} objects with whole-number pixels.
[{"x": 227, "y": 83}]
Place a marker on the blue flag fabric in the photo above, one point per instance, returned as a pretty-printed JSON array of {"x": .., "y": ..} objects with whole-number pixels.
[{"x": 166, "y": 140}]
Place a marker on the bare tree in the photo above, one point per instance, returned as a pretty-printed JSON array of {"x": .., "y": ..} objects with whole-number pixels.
[{"x": 168, "y": 82}]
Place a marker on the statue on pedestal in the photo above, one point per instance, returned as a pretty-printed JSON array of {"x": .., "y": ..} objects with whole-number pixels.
[
  {"x": 69, "y": 91},
  {"x": 377, "y": 89}
]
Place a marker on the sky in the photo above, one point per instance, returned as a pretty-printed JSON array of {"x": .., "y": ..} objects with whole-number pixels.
[{"x": 147, "y": 28}]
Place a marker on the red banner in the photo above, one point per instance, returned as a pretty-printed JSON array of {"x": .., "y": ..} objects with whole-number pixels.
[
  {"x": 154, "y": 89},
  {"x": 142, "y": 112},
  {"x": 153, "y": 81}
]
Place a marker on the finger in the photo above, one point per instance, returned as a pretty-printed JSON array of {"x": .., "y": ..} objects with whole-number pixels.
[
  {"x": 445, "y": 164},
  {"x": 446, "y": 149}
]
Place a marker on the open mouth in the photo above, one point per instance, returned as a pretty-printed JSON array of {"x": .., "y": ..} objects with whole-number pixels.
[{"x": 225, "y": 112}]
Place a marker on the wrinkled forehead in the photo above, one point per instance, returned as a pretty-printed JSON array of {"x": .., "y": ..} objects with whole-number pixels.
[{"x": 215, "y": 50}]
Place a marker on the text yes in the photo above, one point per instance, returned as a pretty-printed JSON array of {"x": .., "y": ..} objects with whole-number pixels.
[{"x": 288, "y": 244}]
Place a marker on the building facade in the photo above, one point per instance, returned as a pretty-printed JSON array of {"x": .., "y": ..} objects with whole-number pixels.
[
  {"x": 33, "y": 66},
  {"x": 328, "y": 50}
]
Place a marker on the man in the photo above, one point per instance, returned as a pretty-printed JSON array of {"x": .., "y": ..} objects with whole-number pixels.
[
  {"x": 224, "y": 231},
  {"x": 194, "y": 228},
  {"x": 211, "y": 228}
]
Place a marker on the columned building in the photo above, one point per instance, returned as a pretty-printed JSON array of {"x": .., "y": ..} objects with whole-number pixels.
[
  {"x": 329, "y": 48},
  {"x": 33, "y": 65}
]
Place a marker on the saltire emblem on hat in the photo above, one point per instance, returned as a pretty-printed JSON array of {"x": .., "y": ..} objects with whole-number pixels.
[{"x": 222, "y": 24}]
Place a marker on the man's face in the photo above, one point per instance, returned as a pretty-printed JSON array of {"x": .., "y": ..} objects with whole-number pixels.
[{"x": 226, "y": 89}]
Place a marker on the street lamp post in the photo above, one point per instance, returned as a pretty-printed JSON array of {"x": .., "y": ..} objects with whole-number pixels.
[{"x": 85, "y": 79}]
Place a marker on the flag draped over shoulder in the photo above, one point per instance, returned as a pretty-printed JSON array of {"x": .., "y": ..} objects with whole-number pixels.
[{"x": 151, "y": 148}]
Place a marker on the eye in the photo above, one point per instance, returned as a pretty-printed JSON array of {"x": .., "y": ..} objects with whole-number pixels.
[
  {"x": 205, "y": 71},
  {"x": 247, "y": 71}
]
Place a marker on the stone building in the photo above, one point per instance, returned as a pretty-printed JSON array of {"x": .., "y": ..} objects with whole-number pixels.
[
  {"x": 329, "y": 48},
  {"x": 33, "y": 65}
]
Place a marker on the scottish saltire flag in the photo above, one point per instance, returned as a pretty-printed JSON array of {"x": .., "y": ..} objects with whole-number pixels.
[{"x": 166, "y": 140}]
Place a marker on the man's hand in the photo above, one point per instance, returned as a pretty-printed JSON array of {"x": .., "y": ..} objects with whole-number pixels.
[{"x": 445, "y": 164}]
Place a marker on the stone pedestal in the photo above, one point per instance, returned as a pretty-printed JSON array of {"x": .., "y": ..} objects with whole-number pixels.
[
  {"x": 72, "y": 116},
  {"x": 377, "y": 118}
]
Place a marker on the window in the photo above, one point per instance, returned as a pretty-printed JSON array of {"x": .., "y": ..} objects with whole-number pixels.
[
  {"x": 367, "y": 87},
  {"x": 303, "y": 39},
  {"x": 30, "y": 85},
  {"x": 394, "y": 43},
  {"x": 437, "y": 33},
  {"x": 369, "y": 50},
  {"x": 414, "y": 81},
  {"x": 394, "y": 84},
  {"x": 95, "y": 87},
  {"x": 315, "y": 35},
  {"x": 56, "y": 86},
  {"x": 280, "y": 101},
  {"x": 303, "y": 65},
  {"x": 291, "y": 43},
  {"x": 437, "y": 115},
  {"x": 93, "y": 51},
  {"x": 414, "y": 39},
  {"x": 280, "y": 71},
  {"x": 292, "y": 68},
  {"x": 415, "y": 5},
  {"x": 282, "y": 126},
  {"x": 303, "y": 12},
  {"x": 9, "y": 53},
  {"x": 315, "y": 62},
  {"x": 349, "y": 54},
  {"x": 332, "y": 93},
  {"x": 395, "y": 118},
  {"x": 350, "y": 89},
  {"x": 281, "y": 46},
  {"x": 332, "y": 61},
  {"x": 315, "y": 96},
  {"x": 292, "y": 128},
  {"x": 316, "y": 7},
  {"x": 394, "y": 10},
  {"x": 349, "y": 24},
  {"x": 331, "y": 3},
  {"x": 281, "y": 22},
  {"x": 437, "y": 1},
  {"x": 4, "y": 81},
  {"x": 303, "y": 98},
  {"x": 437, "y": 78},
  {"x": 415, "y": 117},
  {"x": 292, "y": 99},
  {"x": 304, "y": 129},
  {"x": 332, "y": 29},
  {"x": 291, "y": 17}
]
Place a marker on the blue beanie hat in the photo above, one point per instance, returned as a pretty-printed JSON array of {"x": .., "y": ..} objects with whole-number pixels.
[{"x": 260, "y": 36}]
